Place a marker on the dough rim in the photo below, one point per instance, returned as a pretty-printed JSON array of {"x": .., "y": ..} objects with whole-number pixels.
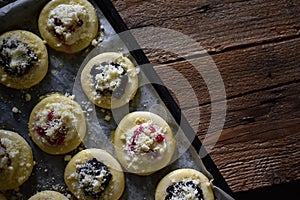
[
  {"x": 179, "y": 175},
  {"x": 109, "y": 102},
  {"x": 81, "y": 44},
  {"x": 80, "y": 125},
  {"x": 126, "y": 124},
  {"x": 117, "y": 181},
  {"x": 24, "y": 156},
  {"x": 48, "y": 195}
]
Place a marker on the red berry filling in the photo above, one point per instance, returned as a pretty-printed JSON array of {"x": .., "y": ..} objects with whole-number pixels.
[
  {"x": 149, "y": 131},
  {"x": 159, "y": 138},
  {"x": 60, "y": 134},
  {"x": 4, "y": 154}
]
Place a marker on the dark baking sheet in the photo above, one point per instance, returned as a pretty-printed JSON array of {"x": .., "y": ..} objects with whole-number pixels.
[{"x": 63, "y": 72}]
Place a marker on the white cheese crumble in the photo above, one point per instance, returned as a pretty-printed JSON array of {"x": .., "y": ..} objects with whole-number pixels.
[
  {"x": 184, "y": 190},
  {"x": 18, "y": 53},
  {"x": 12, "y": 153},
  {"x": 63, "y": 115},
  {"x": 145, "y": 137},
  {"x": 69, "y": 22},
  {"x": 91, "y": 178},
  {"x": 109, "y": 78}
]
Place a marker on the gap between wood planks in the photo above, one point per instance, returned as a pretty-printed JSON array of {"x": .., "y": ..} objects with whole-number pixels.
[
  {"x": 235, "y": 47},
  {"x": 281, "y": 61}
]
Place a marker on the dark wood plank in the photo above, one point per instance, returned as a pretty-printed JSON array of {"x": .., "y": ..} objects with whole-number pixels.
[
  {"x": 257, "y": 147},
  {"x": 259, "y": 143},
  {"x": 243, "y": 71},
  {"x": 265, "y": 154},
  {"x": 216, "y": 25}
]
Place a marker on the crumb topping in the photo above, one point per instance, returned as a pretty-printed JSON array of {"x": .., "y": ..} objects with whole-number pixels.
[
  {"x": 68, "y": 22},
  {"x": 54, "y": 123},
  {"x": 145, "y": 138},
  {"x": 5, "y": 158},
  {"x": 109, "y": 78},
  {"x": 16, "y": 58},
  {"x": 93, "y": 176},
  {"x": 185, "y": 190}
]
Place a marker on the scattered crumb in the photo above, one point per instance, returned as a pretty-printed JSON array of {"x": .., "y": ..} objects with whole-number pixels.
[
  {"x": 107, "y": 117},
  {"x": 3, "y": 78},
  {"x": 15, "y": 110},
  {"x": 67, "y": 157},
  {"x": 70, "y": 96},
  {"x": 27, "y": 97},
  {"x": 95, "y": 42}
]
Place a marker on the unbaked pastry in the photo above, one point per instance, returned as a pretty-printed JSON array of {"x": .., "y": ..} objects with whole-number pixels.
[
  {"x": 144, "y": 142},
  {"x": 94, "y": 174},
  {"x": 48, "y": 195},
  {"x": 23, "y": 59},
  {"x": 185, "y": 184},
  {"x": 16, "y": 160},
  {"x": 68, "y": 25},
  {"x": 110, "y": 80},
  {"x": 57, "y": 124}
]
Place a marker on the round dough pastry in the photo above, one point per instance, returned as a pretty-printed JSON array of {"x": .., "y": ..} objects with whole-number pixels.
[
  {"x": 23, "y": 59},
  {"x": 68, "y": 25},
  {"x": 16, "y": 160},
  {"x": 48, "y": 195},
  {"x": 95, "y": 174},
  {"x": 109, "y": 80},
  {"x": 144, "y": 143},
  {"x": 184, "y": 184},
  {"x": 57, "y": 124}
]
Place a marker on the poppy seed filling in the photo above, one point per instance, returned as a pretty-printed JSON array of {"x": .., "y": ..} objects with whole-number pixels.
[
  {"x": 109, "y": 79},
  {"x": 184, "y": 191},
  {"x": 94, "y": 177},
  {"x": 16, "y": 58}
]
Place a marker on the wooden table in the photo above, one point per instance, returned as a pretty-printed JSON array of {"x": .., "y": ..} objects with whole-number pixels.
[{"x": 255, "y": 46}]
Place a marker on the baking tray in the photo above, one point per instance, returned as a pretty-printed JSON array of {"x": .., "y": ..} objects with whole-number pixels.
[{"x": 63, "y": 77}]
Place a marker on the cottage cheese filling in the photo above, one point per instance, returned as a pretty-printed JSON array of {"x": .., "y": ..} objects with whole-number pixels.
[{"x": 68, "y": 22}]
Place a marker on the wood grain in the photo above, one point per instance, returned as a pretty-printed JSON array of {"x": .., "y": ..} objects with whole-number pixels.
[
  {"x": 243, "y": 71},
  {"x": 262, "y": 86},
  {"x": 259, "y": 142},
  {"x": 268, "y": 154},
  {"x": 217, "y": 25},
  {"x": 254, "y": 45}
]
